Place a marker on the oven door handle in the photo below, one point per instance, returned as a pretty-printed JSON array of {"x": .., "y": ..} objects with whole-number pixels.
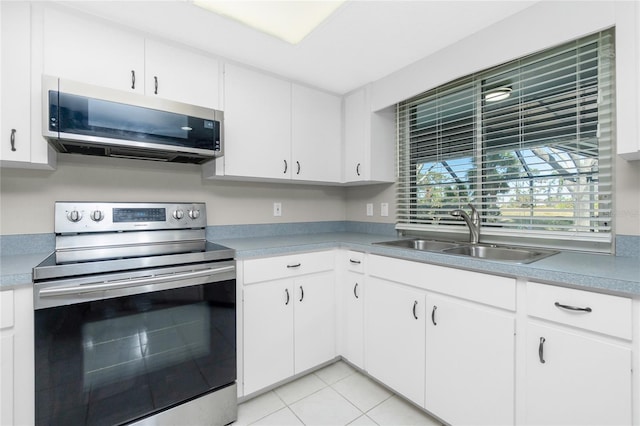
[{"x": 120, "y": 284}]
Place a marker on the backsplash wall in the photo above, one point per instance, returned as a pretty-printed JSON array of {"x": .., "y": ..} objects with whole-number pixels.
[{"x": 27, "y": 196}]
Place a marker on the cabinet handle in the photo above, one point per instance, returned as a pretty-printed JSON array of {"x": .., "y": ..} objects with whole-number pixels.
[
  {"x": 13, "y": 139},
  {"x": 415, "y": 303},
  {"x": 298, "y": 163},
  {"x": 573, "y": 308},
  {"x": 297, "y": 265},
  {"x": 155, "y": 84},
  {"x": 433, "y": 315},
  {"x": 133, "y": 79},
  {"x": 355, "y": 262},
  {"x": 541, "y": 350},
  {"x": 355, "y": 291},
  {"x": 358, "y": 169},
  {"x": 286, "y": 291},
  {"x": 301, "y": 293},
  {"x": 286, "y": 166}
]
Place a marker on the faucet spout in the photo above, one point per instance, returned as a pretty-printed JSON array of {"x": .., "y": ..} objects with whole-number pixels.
[{"x": 473, "y": 222}]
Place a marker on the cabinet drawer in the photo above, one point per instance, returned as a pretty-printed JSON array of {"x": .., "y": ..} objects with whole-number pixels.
[
  {"x": 599, "y": 312},
  {"x": 6, "y": 309},
  {"x": 355, "y": 261},
  {"x": 273, "y": 268}
]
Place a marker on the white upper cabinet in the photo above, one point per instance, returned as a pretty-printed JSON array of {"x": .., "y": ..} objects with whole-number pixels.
[
  {"x": 369, "y": 140},
  {"x": 315, "y": 133},
  {"x": 181, "y": 75},
  {"x": 277, "y": 130},
  {"x": 90, "y": 51},
  {"x": 20, "y": 145},
  {"x": 257, "y": 124}
]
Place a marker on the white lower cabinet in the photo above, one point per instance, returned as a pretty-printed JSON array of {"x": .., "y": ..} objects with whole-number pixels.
[
  {"x": 288, "y": 323},
  {"x": 395, "y": 337},
  {"x": 470, "y": 362}
]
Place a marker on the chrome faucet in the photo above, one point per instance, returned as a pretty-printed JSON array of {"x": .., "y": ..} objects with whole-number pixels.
[{"x": 473, "y": 222}]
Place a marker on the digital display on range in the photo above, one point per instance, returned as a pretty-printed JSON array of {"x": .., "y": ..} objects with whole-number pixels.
[{"x": 139, "y": 215}]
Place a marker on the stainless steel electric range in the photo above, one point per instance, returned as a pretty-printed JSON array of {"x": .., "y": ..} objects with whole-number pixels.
[{"x": 135, "y": 318}]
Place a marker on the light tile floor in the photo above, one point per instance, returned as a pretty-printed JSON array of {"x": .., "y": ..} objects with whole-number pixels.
[{"x": 333, "y": 396}]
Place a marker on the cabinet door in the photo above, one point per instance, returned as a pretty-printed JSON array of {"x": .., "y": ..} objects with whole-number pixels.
[
  {"x": 90, "y": 51},
  {"x": 257, "y": 119},
  {"x": 573, "y": 379},
  {"x": 181, "y": 75},
  {"x": 315, "y": 130},
  {"x": 314, "y": 320},
  {"x": 352, "y": 293},
  {"x": 15, "y": 92},
  {"x": 395, "y": 337},
  {"x": 355, "y": 136},
  {"x": 470, "y": 363},
  {"x": 268, "y": 334}
]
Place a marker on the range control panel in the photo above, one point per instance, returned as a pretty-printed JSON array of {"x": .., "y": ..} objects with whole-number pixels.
[{"x": 82, "y": 217}]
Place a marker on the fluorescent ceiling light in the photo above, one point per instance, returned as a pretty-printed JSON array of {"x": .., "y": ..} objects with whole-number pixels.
[
  {"x": 497, "y": 94},
  {"x": 289, "y": 20}
]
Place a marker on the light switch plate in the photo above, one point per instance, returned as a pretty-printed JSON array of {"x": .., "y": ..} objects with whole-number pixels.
[
  {"x": 369, "y": 209},
  {"x": 384, "y": 209}
]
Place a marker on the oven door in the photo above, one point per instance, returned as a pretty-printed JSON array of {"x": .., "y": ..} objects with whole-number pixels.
[{"x": 148, "y": 343}]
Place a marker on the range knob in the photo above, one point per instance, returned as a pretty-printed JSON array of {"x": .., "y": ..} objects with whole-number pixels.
[
  {"x": 97, "y": 215},
  {"x": 178, "y": 214},
  {"x": 74, "y": 216},
  {"x": 194, "y": 214}
]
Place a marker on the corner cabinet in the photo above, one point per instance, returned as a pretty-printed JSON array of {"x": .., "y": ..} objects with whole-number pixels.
[
  {"x": 578, "y": 357},
  {"x": 288, "y": 317},
  {"x": 351, "y": 296},
  {"x": 20, "y": 145},
  {"x": 277, "y": 130},
  {"x": 369, "y": 140}
]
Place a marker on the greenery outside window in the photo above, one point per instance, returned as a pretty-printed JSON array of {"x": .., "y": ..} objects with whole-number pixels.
[{"x": 528, "y": 143}]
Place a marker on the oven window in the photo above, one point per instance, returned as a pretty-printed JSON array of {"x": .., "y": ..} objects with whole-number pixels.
[{"x": 116, "y": 360}]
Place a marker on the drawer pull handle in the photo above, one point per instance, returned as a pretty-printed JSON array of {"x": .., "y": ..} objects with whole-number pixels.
[
  {"x": 13, "y": 139},
  {"x": 433, "y": 315},
  {"x": 355, "y": 291},
  {"x": 355, "y": 262},
  {"x": 133, "y": 79},
  {"x": 286, "y": 166},
  {"x": 301, "y": 293},
  {"x": 541, "y": 350},
  {"x": 298, "y": 163},
  {"x": 155, "y": 84},
  {"x": 297, "y": 265},
  {"x": 573, "y": 308},
  {"x": 286, "y": 291},
  {"x": 415, "y": 303},
  {"x": 358, "y": 169}
]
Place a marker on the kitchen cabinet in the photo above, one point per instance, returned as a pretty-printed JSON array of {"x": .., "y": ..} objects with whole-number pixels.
[
  {"x": 17, "y": 402},
  {"x": 276, "y": 130},
  {"x": 578, "y": 367},
  {"x": 77, "y": 47},
  {"x": 289, "y": 317},
  {"x": 352, "y": 294},
  {"x": 470, "y": 364},
  {"x": 395, "y": 337},
  {"x": 20, "y": 146},
  {"x": 369, "y": 140}
]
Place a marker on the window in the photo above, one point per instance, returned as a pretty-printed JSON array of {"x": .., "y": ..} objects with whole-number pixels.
[{"x": 528, "y": 143}]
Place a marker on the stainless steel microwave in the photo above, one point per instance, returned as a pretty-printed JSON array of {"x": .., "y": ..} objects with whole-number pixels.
[{"x": 85, "y": 119}]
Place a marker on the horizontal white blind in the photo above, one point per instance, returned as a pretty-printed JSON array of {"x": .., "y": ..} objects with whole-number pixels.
[{"x": 537, "y": 162}]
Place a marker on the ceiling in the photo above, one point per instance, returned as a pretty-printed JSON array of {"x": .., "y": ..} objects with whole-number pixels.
[{"x": 360, "y": 43}]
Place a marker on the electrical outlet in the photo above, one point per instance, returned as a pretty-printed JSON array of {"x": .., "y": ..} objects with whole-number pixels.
[
  {"x": 384, "y": 209},
  {"x": 277, "y": 209},
  {"x": 369, "y": 209}
]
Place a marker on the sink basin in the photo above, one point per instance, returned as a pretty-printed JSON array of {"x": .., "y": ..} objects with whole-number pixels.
[
  {"x": 424, "y": 245},
  {"x": 506, "y": 254},
  {"x": 479, "y": 251}
]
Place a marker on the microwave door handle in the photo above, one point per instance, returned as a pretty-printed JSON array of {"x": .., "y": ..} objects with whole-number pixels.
[{"x": 115, "y": 285}]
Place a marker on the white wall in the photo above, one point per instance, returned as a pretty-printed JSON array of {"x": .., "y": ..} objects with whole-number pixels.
[{"x": 27, "y": 196}]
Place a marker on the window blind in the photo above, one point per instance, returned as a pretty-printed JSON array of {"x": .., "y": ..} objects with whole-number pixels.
[{"x": 535, "y": 161}]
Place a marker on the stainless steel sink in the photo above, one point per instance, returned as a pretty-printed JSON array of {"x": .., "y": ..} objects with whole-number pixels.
[
  {"x": 417, "y": 244},
  {"x": 480, "y": 251},
  {"x": 506, "y": 254}
]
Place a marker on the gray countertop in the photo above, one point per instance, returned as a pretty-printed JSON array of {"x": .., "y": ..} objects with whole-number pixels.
[{"x": 610, "y": 274}]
